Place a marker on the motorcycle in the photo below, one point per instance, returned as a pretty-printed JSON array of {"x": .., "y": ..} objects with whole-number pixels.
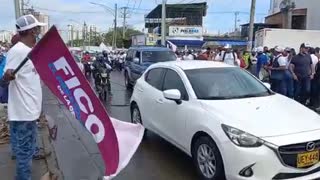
[
  {"x": 87, "y": 68},
  {"x": 102, "y": 81}
]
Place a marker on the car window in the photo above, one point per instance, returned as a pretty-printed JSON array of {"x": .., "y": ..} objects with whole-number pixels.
[
  {"x": 173, "y": 81},
  {"x": 129, "y": 55},
  {"x": 137, "y": 55},
  {"x": 155, "y": 77},
  {"x": 225, "y": 83},
  {"x": 158, "y": 56}
]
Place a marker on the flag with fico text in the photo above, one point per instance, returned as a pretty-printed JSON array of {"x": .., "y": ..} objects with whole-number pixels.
[{"x": 116, "y": 140}]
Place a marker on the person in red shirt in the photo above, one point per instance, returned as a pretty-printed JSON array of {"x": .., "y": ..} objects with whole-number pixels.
[{"x": 86, "y": 61}]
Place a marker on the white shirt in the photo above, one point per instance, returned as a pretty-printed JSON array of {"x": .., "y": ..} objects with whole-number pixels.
[
  {"x": 25, "y": 93},
  {"x": 189, "y": 57},
  {"x": 283, "y": 61},
  {"x": 315, "y": 60},
  {"x": 229, "y": 58}
]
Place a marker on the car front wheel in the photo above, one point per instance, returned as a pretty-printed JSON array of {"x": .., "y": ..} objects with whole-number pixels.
[
  {"x": 127, "y": 81},
  {"x": 207, "y": 159}
]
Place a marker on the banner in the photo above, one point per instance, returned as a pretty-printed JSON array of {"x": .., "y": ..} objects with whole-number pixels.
[
  {"x": 117, "y": 141},
  {"x": 185, "y": 31}
]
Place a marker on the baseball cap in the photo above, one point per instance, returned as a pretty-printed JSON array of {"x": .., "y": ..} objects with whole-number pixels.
[
  {"x": 287, "y": 49},
  {"x": 260, "y": 49},
  {"x": 27, "y": 22},
  {"x": 278, "y": 49},
  {"x": 305, "y": 45}
]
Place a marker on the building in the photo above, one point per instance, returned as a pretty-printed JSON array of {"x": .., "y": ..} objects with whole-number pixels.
[
  {"x": 294, "y": 14},
  {"x": 5, "y": 36},
  {"x": 184, "y": 23},
  {"x": 256, "y": 27}
]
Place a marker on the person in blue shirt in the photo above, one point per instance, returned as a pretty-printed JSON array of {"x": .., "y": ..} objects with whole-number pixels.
[
  {"x": 2, "y": 63},
  {"x": 262, "y": 60}
]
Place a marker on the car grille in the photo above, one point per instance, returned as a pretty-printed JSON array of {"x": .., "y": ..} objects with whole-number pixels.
[
  {"x": 294, "y": 175},
  {"x": 289, "y": 153}
]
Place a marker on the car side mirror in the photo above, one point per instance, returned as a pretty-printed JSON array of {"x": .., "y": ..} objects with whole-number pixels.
[
  {"x": 173, "y": 94},
  {"x": 267, "y": 85},
  {"x": 136, "y": 60}
]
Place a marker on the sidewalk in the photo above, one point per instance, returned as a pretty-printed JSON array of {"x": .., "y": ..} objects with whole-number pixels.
[{"x": 8, "y": 167}]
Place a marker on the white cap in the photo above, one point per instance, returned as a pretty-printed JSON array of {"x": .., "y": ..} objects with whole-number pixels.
[
  {"x": 260, "y": 49},
  {"x": 278, "y": 49},
  {"x": 27, "y": 22}
]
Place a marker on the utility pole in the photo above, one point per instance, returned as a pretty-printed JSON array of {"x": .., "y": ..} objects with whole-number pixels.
[
  {"x": 236, "y": 14},
  {"x": 251, "y": 26},
  {"x": 163, "y": 23},
  {"x": 124, "y": 15},
  {"x": 17, "y": 8},
  {"x": 114, "y": 40}
]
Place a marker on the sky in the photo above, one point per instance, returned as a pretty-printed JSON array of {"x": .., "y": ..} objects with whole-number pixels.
[{"x": 220, "y": 17}]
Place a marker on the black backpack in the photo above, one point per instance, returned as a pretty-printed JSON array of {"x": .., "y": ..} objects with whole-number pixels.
[{"x": 234, "y": 58}]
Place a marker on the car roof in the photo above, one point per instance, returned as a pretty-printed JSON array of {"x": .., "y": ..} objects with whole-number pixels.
[
  {"x": 149, "y": 48},
  {"x": 192, "y": 64}
]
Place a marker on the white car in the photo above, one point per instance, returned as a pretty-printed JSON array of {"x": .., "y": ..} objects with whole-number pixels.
[{"x": 231, "y": 124}]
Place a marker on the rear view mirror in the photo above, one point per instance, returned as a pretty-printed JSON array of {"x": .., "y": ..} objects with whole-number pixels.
[
  {"x": 136, "y": 60},
  {"x": 173, "y": 94}
]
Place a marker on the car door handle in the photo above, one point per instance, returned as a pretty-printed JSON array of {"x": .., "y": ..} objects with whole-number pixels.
[{"x": 160, "y": 101}]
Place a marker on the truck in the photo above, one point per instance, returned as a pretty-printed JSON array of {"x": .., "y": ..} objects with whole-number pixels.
[{"x": 286, "y": 38}]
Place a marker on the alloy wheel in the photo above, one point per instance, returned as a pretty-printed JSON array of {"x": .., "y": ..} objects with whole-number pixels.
[{"x": 206, "y": 161}]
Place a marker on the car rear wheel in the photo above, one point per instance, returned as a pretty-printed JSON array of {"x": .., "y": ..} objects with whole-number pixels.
[
  {"x": 127, "y": 81},
  {"x": 207, "y": 159}
]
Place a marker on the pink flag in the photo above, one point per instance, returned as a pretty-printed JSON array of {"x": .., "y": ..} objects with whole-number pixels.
[{"x": 117, "y": 141}]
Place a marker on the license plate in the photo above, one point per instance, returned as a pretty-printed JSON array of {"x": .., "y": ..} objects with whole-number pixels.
[{"x": 307, "y": 159}]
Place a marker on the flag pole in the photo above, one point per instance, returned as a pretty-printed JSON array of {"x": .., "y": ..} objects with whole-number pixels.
[{"x": 25, "y": 60}]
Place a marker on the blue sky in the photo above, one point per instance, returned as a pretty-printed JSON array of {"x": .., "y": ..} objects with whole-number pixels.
[{"x": 64, "y": 12}]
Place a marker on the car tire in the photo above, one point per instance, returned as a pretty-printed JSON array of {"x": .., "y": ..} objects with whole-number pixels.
[
  {"x": 134, "y": 111},
  {"x": 207, "y": 159},
  {"x": 127, "y": 81}
]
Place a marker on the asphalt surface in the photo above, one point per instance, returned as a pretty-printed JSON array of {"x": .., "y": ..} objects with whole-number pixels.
[{"x": 155, "y": 159}]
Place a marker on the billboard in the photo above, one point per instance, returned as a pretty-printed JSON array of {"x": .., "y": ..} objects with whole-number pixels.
[{"x": 185, "y": 31}]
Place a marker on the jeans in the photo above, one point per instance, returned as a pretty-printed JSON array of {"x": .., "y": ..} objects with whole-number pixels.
[
  {"x": 315, "y": 93},
  {"x": 302, "y": 89},
  {"x": 289, "y": 85},
  {"x": 23, "y": 143},
  {"x": 278, "y": 86}
]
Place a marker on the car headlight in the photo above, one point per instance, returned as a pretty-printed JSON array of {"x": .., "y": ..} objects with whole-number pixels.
[{"x": 241, "y": 138}]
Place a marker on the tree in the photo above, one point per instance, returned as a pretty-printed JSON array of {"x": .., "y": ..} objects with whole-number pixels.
[{"x": 126, "y": 42}]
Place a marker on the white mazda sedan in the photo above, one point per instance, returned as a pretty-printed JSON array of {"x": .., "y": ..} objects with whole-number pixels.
[{"x": 232, "y": 124}]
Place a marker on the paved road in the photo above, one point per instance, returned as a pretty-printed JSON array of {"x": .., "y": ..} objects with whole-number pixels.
[{"x": 155, "y": 159}]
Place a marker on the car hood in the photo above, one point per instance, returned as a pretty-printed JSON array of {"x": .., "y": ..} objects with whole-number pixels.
[{"x": 268, "y": 116}]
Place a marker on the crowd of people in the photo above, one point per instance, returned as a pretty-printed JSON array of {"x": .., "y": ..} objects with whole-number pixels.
[{"x": 295, "y": 75}]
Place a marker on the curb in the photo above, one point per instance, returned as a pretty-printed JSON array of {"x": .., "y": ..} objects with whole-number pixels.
[{"x": 51, "y": 160}]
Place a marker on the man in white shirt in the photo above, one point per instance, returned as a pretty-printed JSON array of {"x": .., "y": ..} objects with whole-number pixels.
[
  {"x": 25, "y": 96},
  {"x": 228, "y": 56}
]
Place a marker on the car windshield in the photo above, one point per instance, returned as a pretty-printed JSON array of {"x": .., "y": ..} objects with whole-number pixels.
[
  {"x": 158, "y": 56},
  {"x": 225, "y": 83}
]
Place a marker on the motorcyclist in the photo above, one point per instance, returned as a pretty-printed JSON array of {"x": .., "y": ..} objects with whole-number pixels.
[
  {"x": 100, "y": 66},
  {"x": 86, "y": 61}
]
